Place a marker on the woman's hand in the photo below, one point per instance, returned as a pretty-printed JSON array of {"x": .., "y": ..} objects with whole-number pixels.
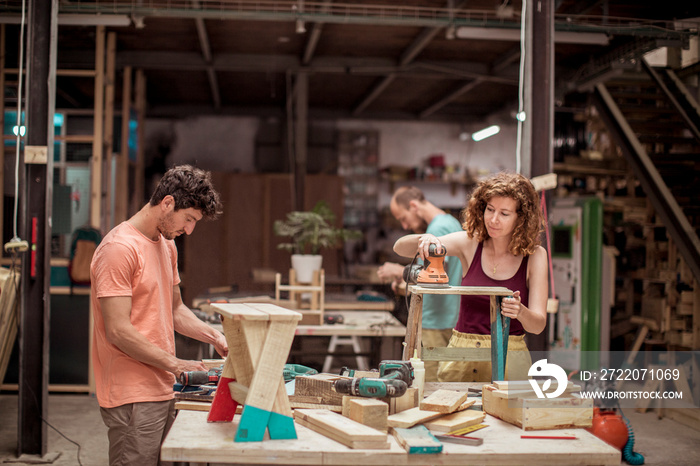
[
  {"x": 511, "y": 306},
  {"x": 424, "y": 243}
]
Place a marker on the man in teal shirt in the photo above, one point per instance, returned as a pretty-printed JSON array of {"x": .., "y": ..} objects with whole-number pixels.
[{"x": 440, "y": 312}]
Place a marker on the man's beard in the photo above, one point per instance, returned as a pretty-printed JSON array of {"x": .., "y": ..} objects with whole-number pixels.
[{"x": 165, "y": 228}]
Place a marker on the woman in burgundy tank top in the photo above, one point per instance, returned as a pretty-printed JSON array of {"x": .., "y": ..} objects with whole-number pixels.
[{"x": 500, "y": 246}]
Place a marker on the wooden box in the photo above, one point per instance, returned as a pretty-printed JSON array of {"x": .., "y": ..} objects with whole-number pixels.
[{"x": 532, "y": 413}]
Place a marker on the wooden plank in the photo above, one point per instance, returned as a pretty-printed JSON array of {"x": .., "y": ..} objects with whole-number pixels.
[
  {"x": 121, "y": 196},
  {"x": 9, "y": 278},
  {"x": 108, "y": 133},
  {"x": 302, "y": 405},
  {"x": 305, "y": 399},
  {"x": 357, "y": 444},
  {"x": 411, "y": 417},
  {"x": 340, "y": 428},
  {"x": 454, "y": 421},
  {"x": 213, "y": 363},
  {"x": 359, "y": 305},
  {"x": 466, "y": 405},
  {"x": 192, "y": 405},
  {"x": 97, "y": 152},
  {"x": 444, "y": 401},
  {"x": 417, "y": 440},
  {"x": 456, "y": 354},
  {"x": 463, "y": 290},
  {"x": 412, "y": 343},
  {"x": 140, "y": 103},
  {"x": 523, "y": 389},
  {"x": 239, "y": 312},
  {"x": 275, "y": 312}
]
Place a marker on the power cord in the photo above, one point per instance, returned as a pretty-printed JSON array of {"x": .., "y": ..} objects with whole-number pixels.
[
  {"x": 54, "y": 428},
  {"x": 16, "y": 243},
  {"x": 413, "y": 262}
]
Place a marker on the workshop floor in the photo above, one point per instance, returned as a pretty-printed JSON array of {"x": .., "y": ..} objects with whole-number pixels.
[{"x": 77, "y": 417}]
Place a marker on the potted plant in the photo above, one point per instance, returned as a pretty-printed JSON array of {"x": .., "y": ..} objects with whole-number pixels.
[{"x": 309, "y": 233}]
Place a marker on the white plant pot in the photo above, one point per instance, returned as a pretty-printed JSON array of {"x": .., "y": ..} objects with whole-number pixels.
[{"x": 304, "y": 266}]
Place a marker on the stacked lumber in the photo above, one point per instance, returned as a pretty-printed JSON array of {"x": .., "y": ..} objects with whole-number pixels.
[
  {"x": 9, "y": 284},
  {"x": 341, "y": 429},
  {"x": 444, "y": 411},
  {"x": 517, "y": 403}
]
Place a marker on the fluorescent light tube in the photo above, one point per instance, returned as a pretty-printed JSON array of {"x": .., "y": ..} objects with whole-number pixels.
[{"x": 486, "y": 133}]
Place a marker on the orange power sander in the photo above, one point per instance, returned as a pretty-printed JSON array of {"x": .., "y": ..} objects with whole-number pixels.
[{"x": 432, "y": 273}]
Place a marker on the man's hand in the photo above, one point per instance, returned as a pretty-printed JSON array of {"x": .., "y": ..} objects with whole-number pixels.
[
  {"x": 390, "y": 272},
  {"x": 221, "y": 346},
  {"x": 184, "y": 365}
]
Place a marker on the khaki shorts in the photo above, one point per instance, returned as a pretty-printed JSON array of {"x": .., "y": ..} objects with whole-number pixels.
[
  {"x": 518, "y": 361},
  {"x": 136, "y": 431},
  {"x": 434, "y": 338}
]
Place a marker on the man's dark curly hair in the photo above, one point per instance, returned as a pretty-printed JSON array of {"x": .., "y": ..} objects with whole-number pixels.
[
  {"x": 190, "y": 187},
  {"x": 528, "y": 226}
]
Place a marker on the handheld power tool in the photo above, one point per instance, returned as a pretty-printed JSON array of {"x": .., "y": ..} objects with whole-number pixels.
[
  {"x": 394, "y": 379},
  {"x": 432, "y": 273},
  {"x": 200, "y": 377}
]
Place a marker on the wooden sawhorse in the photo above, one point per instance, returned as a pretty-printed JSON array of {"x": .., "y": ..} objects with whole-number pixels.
[
  {"x": 500, "y": 329},
  {"x": 259, "y": 337}
]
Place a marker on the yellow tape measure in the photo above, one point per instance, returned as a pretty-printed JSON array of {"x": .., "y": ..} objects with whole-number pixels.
[{"x": 467, "y": 430}]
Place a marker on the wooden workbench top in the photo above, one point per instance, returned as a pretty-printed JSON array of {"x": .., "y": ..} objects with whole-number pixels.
[{"x": 193, "y": 439}]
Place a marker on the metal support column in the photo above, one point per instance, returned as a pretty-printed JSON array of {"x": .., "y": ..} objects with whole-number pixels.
[
  {"x": 301, "y": 106},
  {"x": 34, "y": 308},
  {"x": 541, "y": 109}
]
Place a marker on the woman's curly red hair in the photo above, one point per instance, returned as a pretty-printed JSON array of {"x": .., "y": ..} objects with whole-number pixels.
[{"x": 530, "y": 223}]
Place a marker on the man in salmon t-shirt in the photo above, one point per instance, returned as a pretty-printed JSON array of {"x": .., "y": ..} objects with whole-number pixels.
[{"x": 137, "y": 306}]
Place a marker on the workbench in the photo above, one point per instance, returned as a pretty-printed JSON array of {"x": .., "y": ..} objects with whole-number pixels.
[{"x": 193, "y": 440}]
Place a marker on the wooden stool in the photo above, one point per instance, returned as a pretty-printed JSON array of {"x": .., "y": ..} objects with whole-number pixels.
[
  {"x": 259, "y": 338},
  {"x": 313, "y": 315},
  {"x": 500, "y": 328}
]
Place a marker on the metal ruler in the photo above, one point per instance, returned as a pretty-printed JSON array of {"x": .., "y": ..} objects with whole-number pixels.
[{"x": 467, "y": 430}]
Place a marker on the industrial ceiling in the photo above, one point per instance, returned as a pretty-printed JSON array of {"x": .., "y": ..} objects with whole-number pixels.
[{"x": 429, "y": 60}]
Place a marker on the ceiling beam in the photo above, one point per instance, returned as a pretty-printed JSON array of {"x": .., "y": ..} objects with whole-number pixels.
[
  {"x": 373, "y": 94},
  {"x": 513, "y": 34},
  {"x": 314, "y": 37},
  {"x": 206, "y": 53},
  {"x": 396, "y": 14},
  {"x": 412, "y": 51},
  {"x": 450, "y": 97},
  {"x": 506, "y": 59},
  {"x": 193, "y": 61}
]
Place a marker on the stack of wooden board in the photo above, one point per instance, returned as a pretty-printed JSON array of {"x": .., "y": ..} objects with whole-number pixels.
[
  {"x": 517, "y": 403},
  {"x": 443, "y": 411},
  {"x": 342, "y": 429}
]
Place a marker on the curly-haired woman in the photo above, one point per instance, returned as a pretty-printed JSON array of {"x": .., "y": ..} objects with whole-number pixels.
[{"x": 500, "y": 246}]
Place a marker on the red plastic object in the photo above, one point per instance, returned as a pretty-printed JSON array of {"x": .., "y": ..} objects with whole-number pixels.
[
  {"x": 223, "y": 407},
  {"x": 609, "y": 427}
]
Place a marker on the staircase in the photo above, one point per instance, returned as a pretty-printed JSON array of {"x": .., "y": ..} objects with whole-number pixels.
[{"x": 656, "y": 122}]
